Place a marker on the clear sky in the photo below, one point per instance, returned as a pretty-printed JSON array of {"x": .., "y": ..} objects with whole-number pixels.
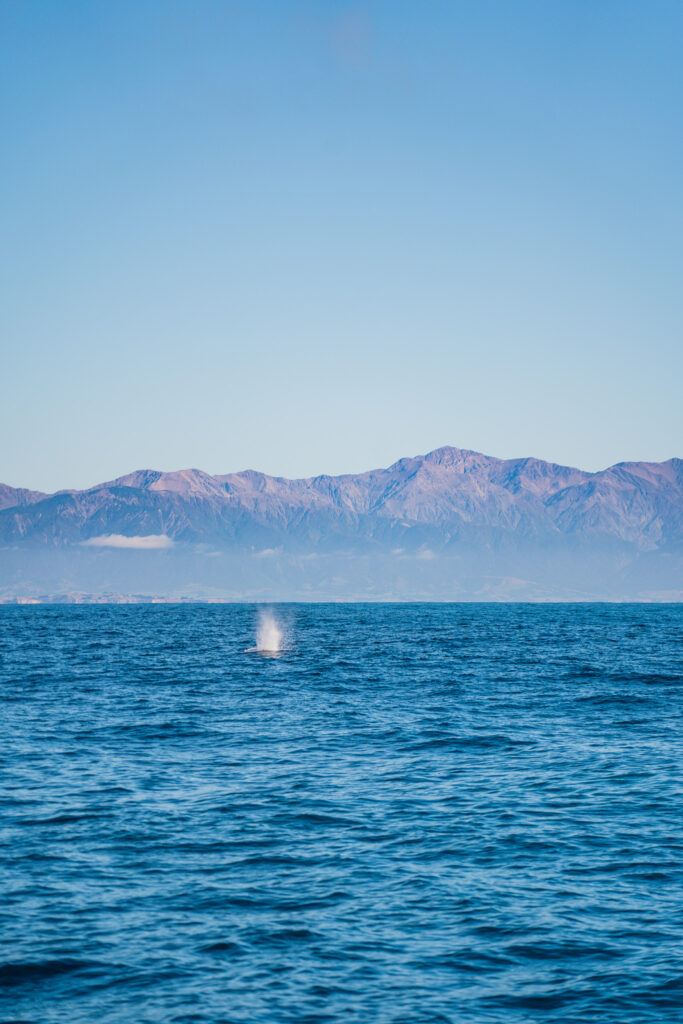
[{"x": 317, "y": 236}]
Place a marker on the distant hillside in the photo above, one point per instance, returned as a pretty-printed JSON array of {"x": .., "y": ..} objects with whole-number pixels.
[
  {"x": 449, "y": 524},
  {"x": 12, "y": 496}
]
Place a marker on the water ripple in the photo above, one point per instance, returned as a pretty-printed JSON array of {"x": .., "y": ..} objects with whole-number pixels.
[{"x": 418, "y": 814}]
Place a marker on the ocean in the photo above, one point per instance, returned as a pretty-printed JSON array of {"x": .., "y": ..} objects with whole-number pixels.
[{"x": 412, "y": 813}]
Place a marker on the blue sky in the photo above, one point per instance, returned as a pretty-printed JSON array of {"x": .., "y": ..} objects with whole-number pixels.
[{"x": 312, "y": 237}]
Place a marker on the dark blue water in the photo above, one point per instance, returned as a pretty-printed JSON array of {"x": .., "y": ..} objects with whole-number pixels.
[{"x": 419, "y": 813}]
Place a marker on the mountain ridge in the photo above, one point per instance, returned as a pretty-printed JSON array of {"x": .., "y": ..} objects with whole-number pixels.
[
  {"x": 449, "y": 484},
  {"x": 445, "y": 455},
  {"x": 525, "y": 519}
]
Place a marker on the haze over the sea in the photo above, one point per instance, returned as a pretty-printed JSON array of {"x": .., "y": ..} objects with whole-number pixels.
[{"x": 311, "y": 237}]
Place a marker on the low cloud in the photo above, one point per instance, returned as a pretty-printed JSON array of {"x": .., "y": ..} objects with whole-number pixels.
[{"x": 152, "y": 542}]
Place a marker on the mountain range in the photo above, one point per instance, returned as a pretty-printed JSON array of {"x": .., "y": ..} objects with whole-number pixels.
[{"x": 452, "y": 524}]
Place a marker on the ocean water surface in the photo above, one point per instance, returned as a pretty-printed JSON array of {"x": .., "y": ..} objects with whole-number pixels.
[{"x": 415, "y": 813}]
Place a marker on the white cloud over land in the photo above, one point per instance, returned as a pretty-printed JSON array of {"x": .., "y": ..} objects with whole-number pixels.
[{"x": 152, "y": 542}]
